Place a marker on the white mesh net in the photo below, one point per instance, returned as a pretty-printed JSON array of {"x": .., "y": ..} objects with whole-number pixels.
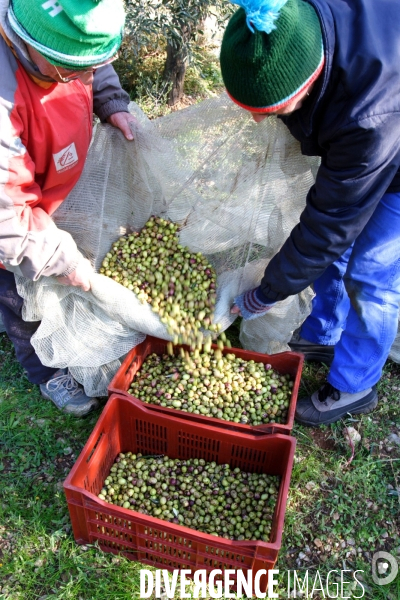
[
  {"x": 395, "y": 349},
  {"x": 236, "y": 187}
]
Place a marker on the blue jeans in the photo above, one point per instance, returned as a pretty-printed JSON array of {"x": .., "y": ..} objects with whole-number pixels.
[
  {"x": 357, "y": 302},
  {"x": 20, "y": 331}
]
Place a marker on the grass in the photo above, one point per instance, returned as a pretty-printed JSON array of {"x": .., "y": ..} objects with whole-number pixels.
[
  {"x": 338, "y": 513},
  {"x": 343, "y": 509},
  {"x": 38, "y": 556}
]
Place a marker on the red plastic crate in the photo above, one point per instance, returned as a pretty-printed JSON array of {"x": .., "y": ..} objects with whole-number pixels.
[
  {"x": 284, "y": 363},
  {"x": 126, "y": 426}
]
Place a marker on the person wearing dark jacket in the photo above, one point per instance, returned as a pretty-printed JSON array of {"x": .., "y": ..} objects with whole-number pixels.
[
  {"x": 55, "y": 68},
  {"x": 331, "y": 71}
]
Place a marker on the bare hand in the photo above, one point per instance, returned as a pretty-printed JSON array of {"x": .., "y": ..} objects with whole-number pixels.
[
  {"x": 80, "y": 277},
  {"x": 235, "y": 310},
  {"x": 121, "y": 120}
]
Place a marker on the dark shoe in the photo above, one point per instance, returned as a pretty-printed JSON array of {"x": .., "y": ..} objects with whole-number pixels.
[
  {"x": 328, "y": 405},
  {"x": 67, "y": 394},
  {"x": 312, "y": 351}
]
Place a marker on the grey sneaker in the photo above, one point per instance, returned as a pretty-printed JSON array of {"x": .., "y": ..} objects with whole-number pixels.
[
  {"x": 67, "y": 394},
  {"x": 328, "y": 405},
  {"x": 312, "y": 351}
]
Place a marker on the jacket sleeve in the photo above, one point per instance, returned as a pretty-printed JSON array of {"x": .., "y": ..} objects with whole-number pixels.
[
  {"x": 108, "y": 95},
  {"x": 30, "y": 242},
  {"x": 358, "y": 168}
]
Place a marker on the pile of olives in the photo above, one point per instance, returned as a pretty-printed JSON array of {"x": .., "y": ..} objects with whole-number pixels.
[
  {"x": 179, "y": 285},
  {"x": 216, "y": 385},
  {"x": 205, "y": 496}
]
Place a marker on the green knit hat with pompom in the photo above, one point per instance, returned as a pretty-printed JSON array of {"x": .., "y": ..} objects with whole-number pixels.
[
  {"x": 271, "y": 50},
  {"x": 74, "y": 34}
]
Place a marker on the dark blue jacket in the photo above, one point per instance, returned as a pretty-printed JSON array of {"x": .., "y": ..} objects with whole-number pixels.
[{"x": 352, "y": 121}]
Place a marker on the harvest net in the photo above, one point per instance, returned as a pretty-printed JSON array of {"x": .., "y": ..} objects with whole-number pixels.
[{"x": 236, "y": 188}]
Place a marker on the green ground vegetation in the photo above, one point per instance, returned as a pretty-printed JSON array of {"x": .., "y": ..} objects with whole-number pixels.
[{"x": 141, "y": 75}]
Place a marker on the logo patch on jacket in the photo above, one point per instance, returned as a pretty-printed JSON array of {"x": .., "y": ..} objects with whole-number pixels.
[{"x": 66, "y": 158}]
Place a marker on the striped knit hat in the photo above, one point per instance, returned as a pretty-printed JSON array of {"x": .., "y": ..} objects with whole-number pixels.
[
  {"x": 73, "y": 34},
  {"x": 271, "y": 51}
]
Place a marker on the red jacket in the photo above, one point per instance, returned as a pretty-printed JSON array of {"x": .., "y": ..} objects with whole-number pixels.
[{"x": 45, "y": 132}]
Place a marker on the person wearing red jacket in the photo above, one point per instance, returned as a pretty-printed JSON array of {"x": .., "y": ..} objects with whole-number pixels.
[{"x": 56, "y": 71}]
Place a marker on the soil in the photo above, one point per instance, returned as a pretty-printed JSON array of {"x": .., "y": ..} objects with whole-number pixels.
[{"x": 323, "y": 439}]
